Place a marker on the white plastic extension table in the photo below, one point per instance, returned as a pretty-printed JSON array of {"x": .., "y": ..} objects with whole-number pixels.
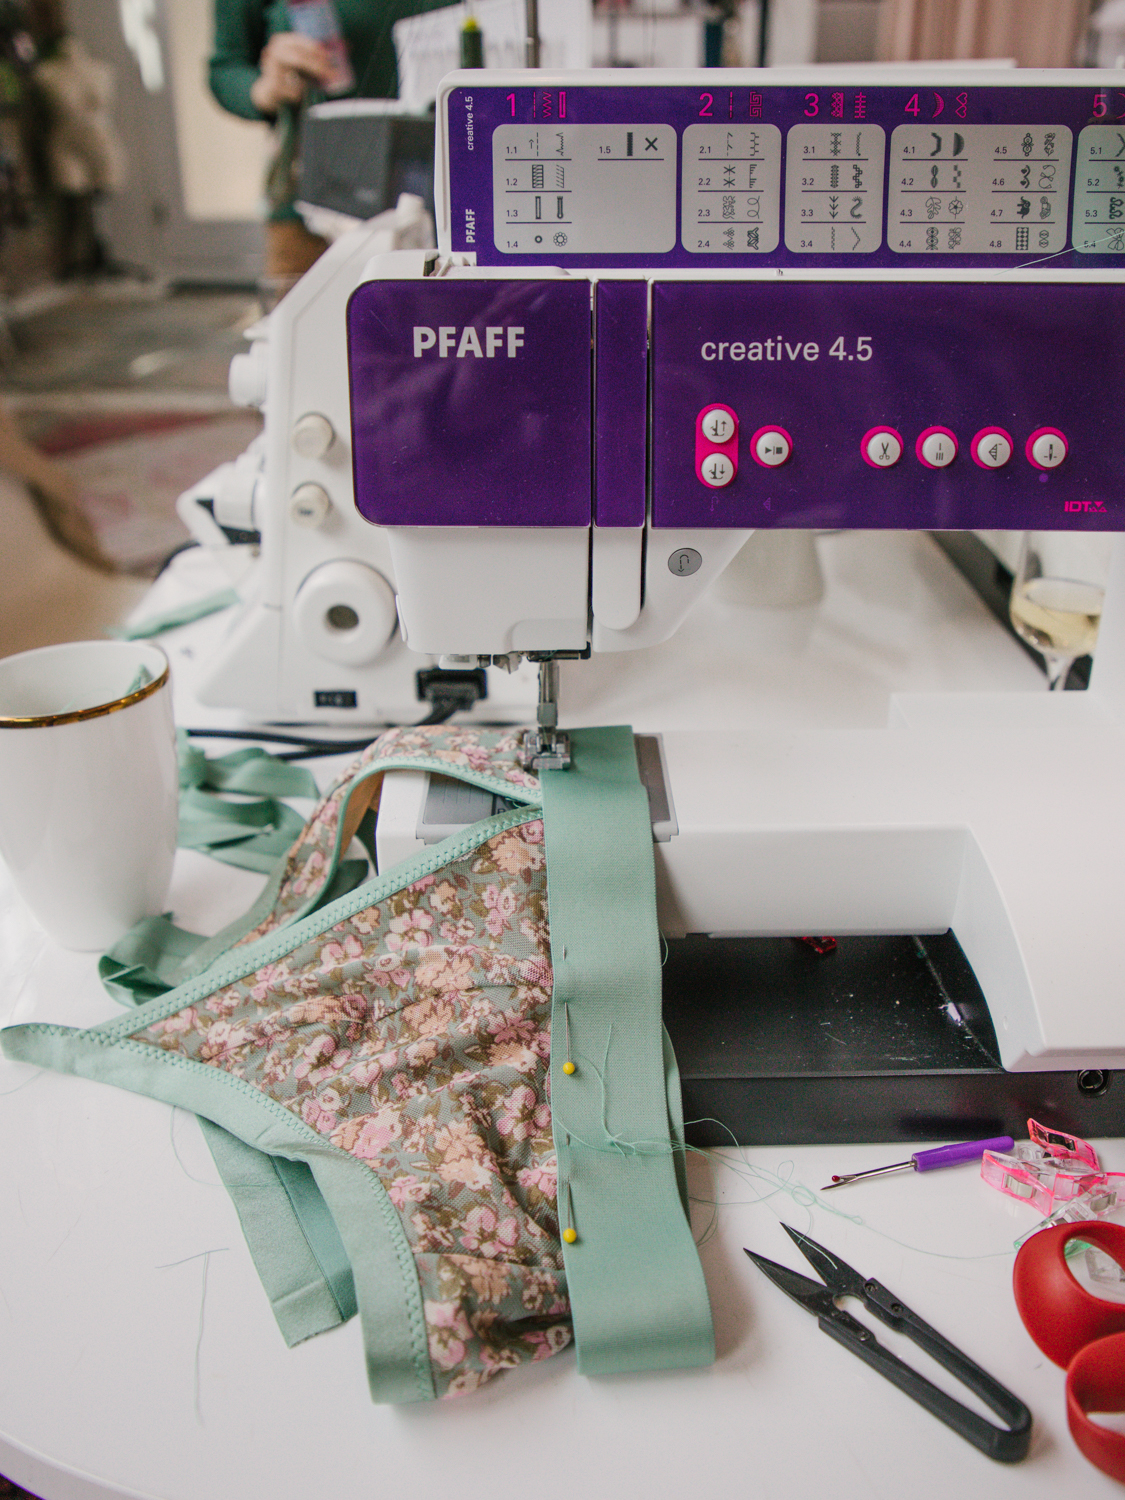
[{"x": 138, "y": 1355}]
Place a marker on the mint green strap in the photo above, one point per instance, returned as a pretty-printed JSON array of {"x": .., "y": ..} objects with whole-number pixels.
[
  {"x": 291, "y": 1234},
  {"x": 637, "y": 1292},
  {"x": 152, "y": 958},
  {"x": 155, "y": 956},
  {"x": 251, "y": 834},
  {"x": 384, "y": 1274},
  {"x": 250, "y": 770}
]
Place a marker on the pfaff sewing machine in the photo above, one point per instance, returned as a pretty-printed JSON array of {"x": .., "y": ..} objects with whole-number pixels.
[{"x": 667, "y": 309}]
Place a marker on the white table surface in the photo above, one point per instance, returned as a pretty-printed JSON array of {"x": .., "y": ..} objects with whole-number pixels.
[{"x": 138, "y": 1354}]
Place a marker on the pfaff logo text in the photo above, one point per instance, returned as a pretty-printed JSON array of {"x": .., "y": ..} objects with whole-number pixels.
[
  {"x": 460, "y": 342},
  {"x": 1095, "y": 505}
]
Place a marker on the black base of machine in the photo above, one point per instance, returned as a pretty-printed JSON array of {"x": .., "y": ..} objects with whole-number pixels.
[{"x": 875, "y": 1039}]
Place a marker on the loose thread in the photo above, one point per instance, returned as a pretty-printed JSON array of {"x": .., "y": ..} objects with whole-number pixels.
[
  {"x": 808, "y": 1200},
  {"x": 34, "y": 1078},
  {"x": 169, "y": 1265},
  {"x": 199, "y": 1338},
  {"x": 779, "y": 1182},
  {"x": 205, "y": 1257},
  {"x": 191, "y": 1177},
  {"x": 774, "y": 1183}
]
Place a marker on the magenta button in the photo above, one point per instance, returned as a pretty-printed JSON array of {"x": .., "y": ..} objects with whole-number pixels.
[
  {"x": 881, "y": 447},
  {"x": 1046, "y": 448},
  {"x": 936, "y": 447}
]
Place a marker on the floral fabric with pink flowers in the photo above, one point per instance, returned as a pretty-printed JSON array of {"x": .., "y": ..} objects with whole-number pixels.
[
  {"x": 415, "y": 1035},
  {"x": 406, "y": 1028}
]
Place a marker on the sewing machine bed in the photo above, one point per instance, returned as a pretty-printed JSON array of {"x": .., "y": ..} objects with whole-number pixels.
[{"x": 880, "y": 1039}]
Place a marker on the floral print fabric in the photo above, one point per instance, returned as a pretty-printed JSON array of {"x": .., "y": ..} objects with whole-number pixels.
[
  {"x": 482, "y": 755},
  {"x": 415, "y": 1036}
]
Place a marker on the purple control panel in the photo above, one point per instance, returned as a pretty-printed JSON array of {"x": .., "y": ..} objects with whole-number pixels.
[
  {"x": 886, "y": 306},
  {"x": 737, "y": 172},
  {"x": 840, "y": 371},
  {"x": 942, "y": 405}
]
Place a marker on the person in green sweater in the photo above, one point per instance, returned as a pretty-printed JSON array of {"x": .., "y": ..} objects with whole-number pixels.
[{"x": 263, "y": 69}]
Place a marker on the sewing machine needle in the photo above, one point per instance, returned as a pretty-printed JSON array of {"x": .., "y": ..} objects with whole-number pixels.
[{"x": 926, "y": 1161}]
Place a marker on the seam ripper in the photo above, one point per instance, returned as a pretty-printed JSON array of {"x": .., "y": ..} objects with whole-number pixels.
[{"x": 926, "y": 1161}]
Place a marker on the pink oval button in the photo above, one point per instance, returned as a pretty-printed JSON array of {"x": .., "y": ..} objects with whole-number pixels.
[{"x": 991, "y": 447}]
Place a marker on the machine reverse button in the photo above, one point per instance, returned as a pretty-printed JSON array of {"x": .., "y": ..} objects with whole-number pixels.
[{"x": 685, "y": 561}]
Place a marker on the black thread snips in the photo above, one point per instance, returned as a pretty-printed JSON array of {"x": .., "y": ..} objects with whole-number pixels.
[{"x": 1007, "y": 1444}]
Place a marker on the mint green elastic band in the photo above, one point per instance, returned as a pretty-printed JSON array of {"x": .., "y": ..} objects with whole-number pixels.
[
  {"x": 252, "y": 835},
  {"x": 255, "y": 835},
  {"x": 155, "y": 956},
  {"x": 151, "y": 959},
  {"x": 637, "y": 1293}
]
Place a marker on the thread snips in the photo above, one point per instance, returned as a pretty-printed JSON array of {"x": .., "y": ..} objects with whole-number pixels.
[{"x": 1007, "y": 1444}]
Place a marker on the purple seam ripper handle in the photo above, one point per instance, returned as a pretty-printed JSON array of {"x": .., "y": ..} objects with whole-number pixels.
[{"x": 949, "y": 1156}]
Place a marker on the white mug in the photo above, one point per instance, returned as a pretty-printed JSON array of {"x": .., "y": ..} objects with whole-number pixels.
[{"x": 89, "y": 785}]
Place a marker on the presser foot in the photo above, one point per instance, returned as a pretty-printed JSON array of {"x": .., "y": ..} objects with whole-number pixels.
[
  {"x": 544, "y": 750},
  {"x": 546, "y": 747}
]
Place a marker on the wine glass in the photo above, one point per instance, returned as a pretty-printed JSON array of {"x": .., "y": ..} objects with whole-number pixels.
[{"x": 1057, "y": 596}]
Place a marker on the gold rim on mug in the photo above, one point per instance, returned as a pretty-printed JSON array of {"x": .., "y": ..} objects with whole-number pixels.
[{"x": 44, "y": 721}]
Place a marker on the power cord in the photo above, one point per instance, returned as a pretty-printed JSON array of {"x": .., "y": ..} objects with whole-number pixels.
[{"x": 447, "y": 691}]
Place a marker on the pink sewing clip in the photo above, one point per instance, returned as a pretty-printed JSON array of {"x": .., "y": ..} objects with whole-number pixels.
[{"x": 1057, "y": 1173}]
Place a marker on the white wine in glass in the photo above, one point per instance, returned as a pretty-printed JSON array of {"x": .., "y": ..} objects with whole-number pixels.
[{"x": 1057, "y": 597}]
